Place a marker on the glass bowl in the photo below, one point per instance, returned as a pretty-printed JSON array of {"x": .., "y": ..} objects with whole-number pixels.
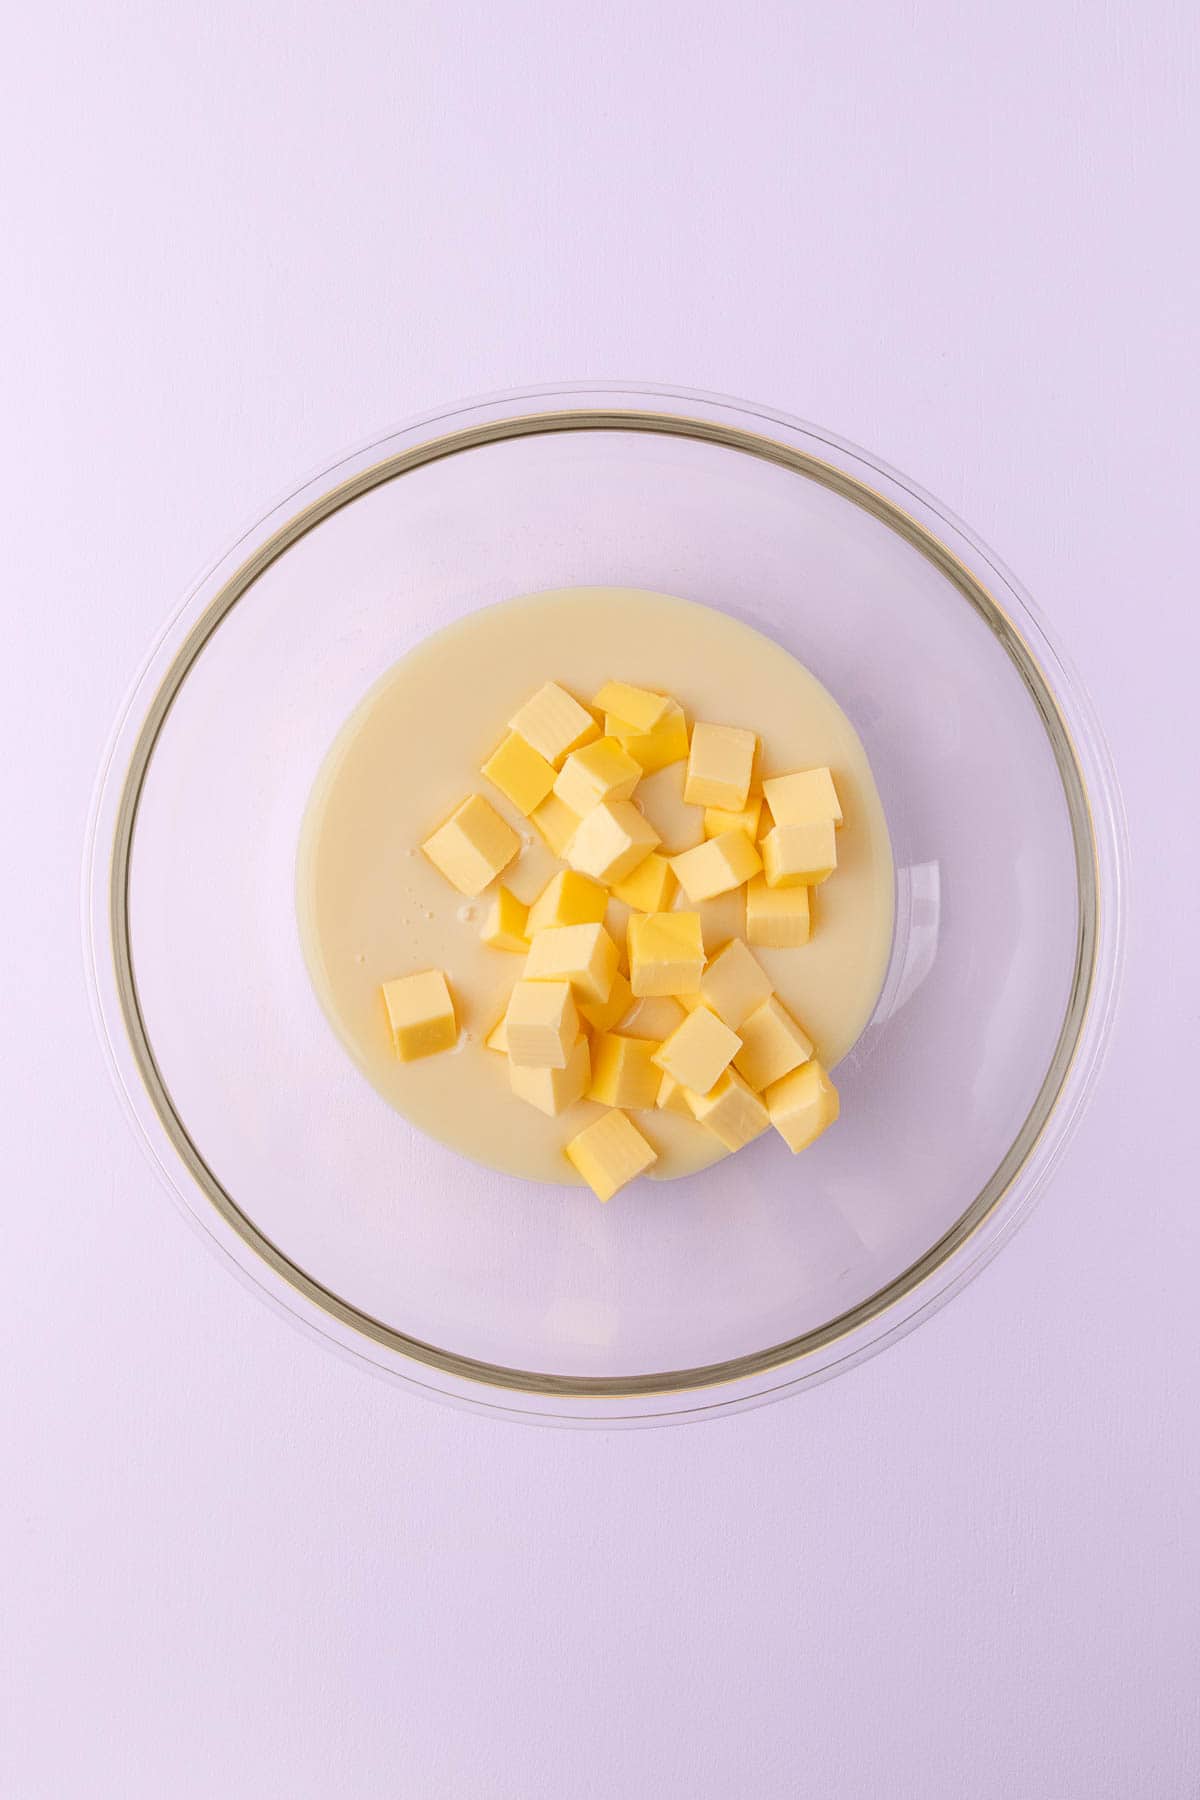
[{"x": 679, "y": 1300}]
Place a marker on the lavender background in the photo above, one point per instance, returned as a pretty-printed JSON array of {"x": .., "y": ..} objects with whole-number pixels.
[{"x": 235, "y": 240}]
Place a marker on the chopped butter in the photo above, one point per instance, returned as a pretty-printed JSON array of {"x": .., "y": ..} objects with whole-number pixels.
[
  {"x": 698, "y": 1051},
  {"x": 799, "y": 855},
  {"x": 720, "y": 766},
  {"x": 666, "y": 953},
  {"x": 554, "y": 723},
  {"x": 420, "y": 1012},
  {"x": 473, "y": 846},
  {"x": 553, "y": 1090},
  {"x": 609, "y": 1153},
  {"x": 802, "y": 1105},
  {"x": 623, "y": 1072}
]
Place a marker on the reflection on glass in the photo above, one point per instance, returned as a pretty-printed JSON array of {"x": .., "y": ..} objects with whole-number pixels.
[{"x": 918, "y": 921}]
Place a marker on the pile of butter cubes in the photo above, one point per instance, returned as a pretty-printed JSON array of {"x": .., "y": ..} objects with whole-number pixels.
[{"x": 737, "y": 1062}]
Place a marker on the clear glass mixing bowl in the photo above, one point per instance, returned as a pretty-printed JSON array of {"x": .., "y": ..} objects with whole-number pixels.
[{"x": 766, "y": 1272}]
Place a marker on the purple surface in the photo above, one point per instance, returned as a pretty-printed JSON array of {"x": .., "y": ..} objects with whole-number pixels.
[{"x": 240, "y": 240}]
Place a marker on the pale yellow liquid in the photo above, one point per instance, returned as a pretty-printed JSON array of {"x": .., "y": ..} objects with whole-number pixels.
[{"x": 371, "y": 907}]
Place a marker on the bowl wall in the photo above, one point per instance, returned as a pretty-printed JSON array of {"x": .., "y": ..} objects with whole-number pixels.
[{"x": 765, "y": 1270}]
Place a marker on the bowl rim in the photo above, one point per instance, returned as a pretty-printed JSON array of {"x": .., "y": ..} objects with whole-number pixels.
[{"x": 1095, "y": 816}]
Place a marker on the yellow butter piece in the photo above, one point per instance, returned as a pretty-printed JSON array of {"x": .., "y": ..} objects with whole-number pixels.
[
  {"x": 568, "y": 898},
  {"x": 611, "y": 841},
  {"x": 666, "y": 953},
  {"x": 799, "y": 855},
  {"x": 623, "y": 1073},
  {"x": 802, "y": 1105},
  {"x": 420, "y": 1011},
  {"x": 554, "y": 723},
  {"x": 584, "y": 955},
  {"x": 672, "y": 1097},
  {"x": 698, "y": 1051},
  {"x": 731, "y": 1110},
  {"x": 654, "y": 1018},
  {"x": 777, "y": 918},
  {"x": 506, "y": 924},
  {"x": 609, "y": 1153},
  {"x": 717, "y": 867},
  {"x": 717, "y": 820},
  {"x": 803, "y": 797},
  {"x": 735, "y": 984},
  {"x": 650, "y": 888},
  {"x": 773, "y": 1044},
  {"x": 602, "y": 1015},
  {"x": 473, "y": 846},
  {"x": 720, "y": 765},
  {"x": 556, "y": 823},
  {"x": 542, "y": 1024},
  {"x": 497, "y": 1037},
  {"x": 658, "y": 748},
  {"x": 637, "y": 709},
  {"x": 520, "y": 772},
  {"x": 553, "y": 1090},
  {"x": 600, "y": 771}
]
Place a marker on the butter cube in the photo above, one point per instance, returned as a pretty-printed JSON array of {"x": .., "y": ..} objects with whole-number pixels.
[
  {"x": 772, "y": 1045},
  {"x": 735, "y": 984},
  {"x": 584, "y": 955},
  {"x": 611, "y": 841},
  {"x": 732, "y": 1111},
  {"x": 553, "y": 1090},
  {"x": 568, "y": 898},
  {"x": 554, "y": 723},
  {"x": 699, "y": 1051},
  {"x": 473, "y": 846},
  {"x": 776, "y": 918},
  {"x": 497, "y": 1037},
  {"x": 541, "y": 1023},
  {"x": 717, "y": 867},
  {"x": 802, "y": 1105},
  {"x": 520, "y": 772},
  {"x": 609, "y": 1153},
  {"x": 672, "y": 1097},
  {"x": 600, "y": 771},
  {"x": 665, "y": 743},
  {"x": 799, "y": 855},
  {"x": 720, "y": 765},
  {"x": 556, "y": 823},
  {"x": 623, "y": 1073},
  {"x": 637, "y": 708},
  {"x": 506, "y": 923},
  {"x": 803, "y": 798},
  {"x": 650, "y": 888},
  {"x": 421, "y": 1014},
  {"x": 602, "y": 1015},
  {"x": 666, "y": 953},
  {"x": 717, "y": 820}
]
